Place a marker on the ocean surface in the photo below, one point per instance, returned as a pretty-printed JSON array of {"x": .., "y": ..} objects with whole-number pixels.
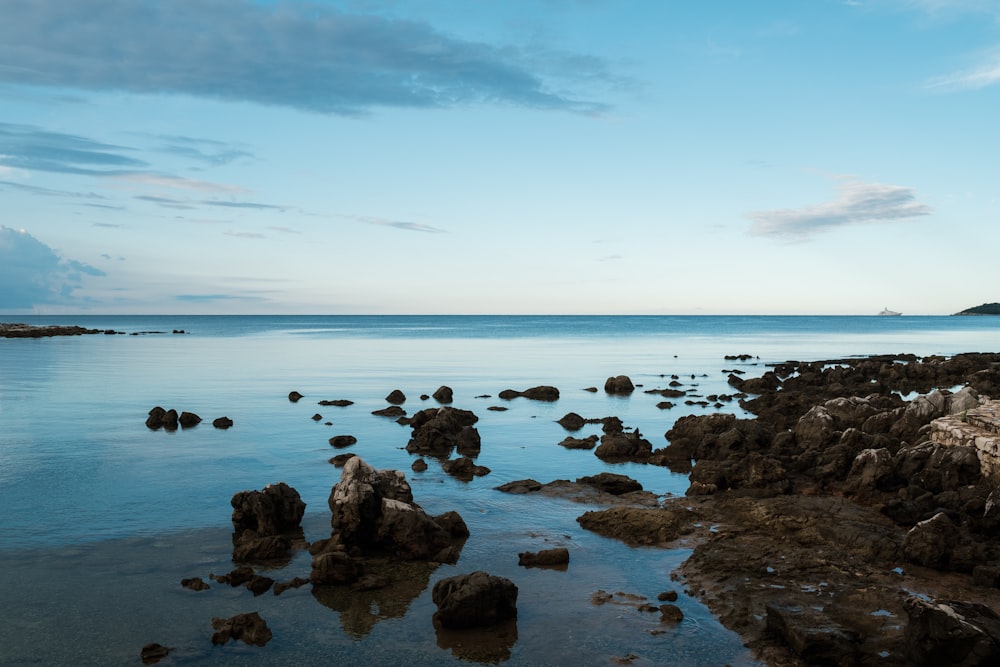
[{"x": 101, "y": 517}]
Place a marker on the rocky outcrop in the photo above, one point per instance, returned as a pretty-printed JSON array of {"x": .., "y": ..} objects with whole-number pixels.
[
  {"x": 637, "y": 526},
  {"x": 249, "y": 628},
  {"x": 620, "y": 385},
  {"x": 954, "y": 633},
  {"x": 558, "y": 557},
  {"x": 439, "y": 431},
  {"x": 474, "y": 600},
  {"x": 373, "y": 513},
  {"x": 266, "y": 523}
]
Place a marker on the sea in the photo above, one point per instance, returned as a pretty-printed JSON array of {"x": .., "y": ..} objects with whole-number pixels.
[{"x": 102, "y": 517}]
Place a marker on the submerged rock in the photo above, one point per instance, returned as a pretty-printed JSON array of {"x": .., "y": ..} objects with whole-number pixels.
[{"x": 249, "y": 628}]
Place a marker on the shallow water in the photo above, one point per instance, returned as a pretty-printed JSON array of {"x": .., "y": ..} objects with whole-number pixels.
[{"x": 103, "y": 517}]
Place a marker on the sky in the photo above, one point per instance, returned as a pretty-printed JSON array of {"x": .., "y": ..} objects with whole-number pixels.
[{"x": 782, "y": 157}]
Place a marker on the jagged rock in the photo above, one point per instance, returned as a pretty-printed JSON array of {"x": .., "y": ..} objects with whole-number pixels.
[
  {"x": 340, "y": 459},
  {"x": 623, "y": 446},
  {"x": 249, "y": 628},
  {"x": 276, "y": 509},
  {"x": 945, "y": 632},
  {"x": 635, "y": 526},
  {"x": 473, "y": 600},
  {"x": 570, "y": 442},
  {"x": 436, "y": 431},
  {"x": 930, "y": 543},
  {"x": 282, "y": 586}
]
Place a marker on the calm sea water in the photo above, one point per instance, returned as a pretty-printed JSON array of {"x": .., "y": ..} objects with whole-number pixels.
[{"x": 102, "y": 517}]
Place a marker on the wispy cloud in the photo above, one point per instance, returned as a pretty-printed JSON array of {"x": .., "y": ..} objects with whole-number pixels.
[
  {"x": 985, "y": 73},
  {"x": 856, "y": 203},
  {"x": 50, "y": 192},
  {"x": 175, "y": 182},
  {"x": 304, "y": 55},
  {"x": 245, "y": 235},
  {"x": 284, "y": 230},
  {"x": 398, "y": 224},
  {"x": 33, "y": 148},
  {"x": 208, "y": 151},
  {"x": 243, "y": 204},
  {"x": 33, "y": 274}
]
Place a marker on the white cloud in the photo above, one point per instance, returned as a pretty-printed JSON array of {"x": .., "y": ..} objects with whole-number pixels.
[
  {"x": 986, "y": 73},
  {"x": 857, "y": 203}
]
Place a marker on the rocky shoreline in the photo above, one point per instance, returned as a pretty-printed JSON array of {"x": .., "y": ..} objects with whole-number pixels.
[{"x": 829, "y": 529}]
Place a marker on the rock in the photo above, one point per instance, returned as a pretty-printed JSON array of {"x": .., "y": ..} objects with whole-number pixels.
[
  {"x": 340, "y": 402},
  {"x": 437, "y": 431},
  {"x": 222, "y": 422},
  {"x": 670, "y": 613},
  {"x": 622, "y": 446},
  {"x": 635, "y": 526},
  {"x": 195, "y": 584},
  {"x": 419, "y": 465},
  {"x": 276, "y": 509},
  {"x": 443, "y": 395},
  {"x": 620, "y": 385},
  {"x": 155, "y": 419},
  {"x": 464, "y": 468},
  {"x": 570, "y": 442},
  {"x": 474, "y": 600},
  {"x": 545, "y": 558},
  {"x": 282, "y": 586},
  {"x": 294, "y": 396},
  {"x": 541, "y": 393},
  {"x": 611, "y": 483},
  {"x": 572, "y": 421},
  {"x": 335, "y": 567},
  {"x": 153, "y": 653},
  {"x": 188, "y": 419},
  {"x": 249, "y": 628},
  {"x": 341, "y": 441},
  {"x": 391, "y": 411},
  {"x": 373, "y": 512},
  {"x": 667, "y": 596},
  {"x": 930, "y": 543},
  {"x": 340, "y": 459},
  {"x": 520, "y": 486},
  {"x": 945, "y": 632},
  {"x": 396, "y": 397}
]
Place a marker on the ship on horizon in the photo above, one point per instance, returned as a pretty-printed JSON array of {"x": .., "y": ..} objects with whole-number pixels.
[{"x": 885, "y": 312}]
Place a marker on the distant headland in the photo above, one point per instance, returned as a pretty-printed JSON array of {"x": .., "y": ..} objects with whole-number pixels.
[
  {"x": 985, "y": 309},
  {"x": 21, "y": 330}
]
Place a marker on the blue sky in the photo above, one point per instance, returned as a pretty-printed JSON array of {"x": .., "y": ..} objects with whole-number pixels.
[{"x": 499, "y": 156}]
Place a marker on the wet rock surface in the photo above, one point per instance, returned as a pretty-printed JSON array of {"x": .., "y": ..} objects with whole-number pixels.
[{"x": 474, "y": 600}]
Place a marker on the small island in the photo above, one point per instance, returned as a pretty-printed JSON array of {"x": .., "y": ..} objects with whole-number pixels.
[{"x": 985, "y": 309}]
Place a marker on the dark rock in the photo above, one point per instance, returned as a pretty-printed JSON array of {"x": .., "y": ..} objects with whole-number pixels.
[
  {"x": 474, "y": 600},
  {"x": 520, "y": 486},
  {"x": 572, "y": 421},
  {"x": 443, "y": 395},
  {"x": 541, "y": 393},
  {"x": 222, "y": 422},
  {"x": 340, "y": 402},
  {"x": 340, "y": 459},
  {"x": 464, "y": 468},
  {"x": 945, "y": 632},
  {"x": 419, "y": 465},
  {"x": 391, "y": 411},
  {"x": 195, "y": 584},
  {"x": 282, "y": 586},
  {"x": 276, "y": 509},
  {"x": 623, "y": 446},
  {"x": 294, "y": 396},
  {"x": 635, "y": 526},
  {"x": 930, "y": 543},
  {"x": 188, "y": 419},
  {"x": 341, "y": 441},
  {"x": 335, "y": 567},
  {"x": 437, "y": 431},
  {"x": 611, "y": 483},
  {"x": 570, "y": 442},
  {"x": 155, "y": 419},
  {"x": 259, "y": 584},
  {"x": 670, "y": 613},
  {"x": 153, "y": 653},
  {"x": 249, "y": 628},
  {"x": 667, "y": 596},
  {"x": 620, "y": 385},
  {"x": 317, "y": 417},
  {"x": 396, "y": 397},
  {"x": 545, "y": 558}
]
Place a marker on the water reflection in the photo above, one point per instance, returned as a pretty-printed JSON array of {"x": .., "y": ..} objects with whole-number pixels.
[
  {"x": 386, "y": 591},
  {"x": 490, "y": 645}
]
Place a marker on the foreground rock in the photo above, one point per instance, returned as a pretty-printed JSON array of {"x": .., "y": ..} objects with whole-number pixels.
[
  {"x": 266, "y": 523},
  {"x": 474, "y": 600},
  {"x": 374, "y": 514}
]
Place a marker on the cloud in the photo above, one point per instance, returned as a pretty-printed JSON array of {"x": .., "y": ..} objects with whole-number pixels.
[
  {"x": 209, "y": 151},
  {"x": 284, "y": 230},
  {"x": 243, "y": 204},
  {"x": 304, "y": 55},
  {"x": 29, "y": 147},
  {"x": 175, "y": 182},
  {"x": 857, "y": 203},
  {"x": 49, "y": 192},
  {"x": 986, "y": 73},
  {"x": 409, "y": 226},
  {"x": 245, "y": 235},
  {"x": 32, "y": 274},
  {"x": 214, "y": 297}
]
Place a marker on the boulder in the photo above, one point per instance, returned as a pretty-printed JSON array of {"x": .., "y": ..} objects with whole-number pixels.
[
  {"x": 153, "y": 653},
  {"x": 945, "y": 632},
  {"x": 620, "y": 385},
  {"x": 570, "y": 442},
  {"x": 812, "y": 635},
  {"x": 464, "y": 468},
  {"x": 612, "y": 483},
  {"x": 294, "y": 396},
  {"x": 437, "y": 431},
  {"x": 624, "y": 446},
  {"x": 572, "y": 421},
  {"x": 443, "y": 395},
  {"x": 545, "y": 558},
  {"x": 275, "y": 510},
  {"x": 188, "y": 419},
  {"x": 635, "y": 526},
  {"x": 341, "y": 441},
  {"x": 930, "y": 543},
  {"x": 222, "y": 422},
  {"x": 396, "y": 397},
  {"x": 474, "y": 600}
]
